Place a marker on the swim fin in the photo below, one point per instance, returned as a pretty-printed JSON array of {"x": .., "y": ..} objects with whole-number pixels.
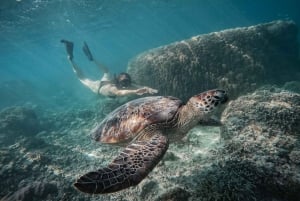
[
  {"x": 69, "y": 47},
  {"x": 87, "y": 51}
]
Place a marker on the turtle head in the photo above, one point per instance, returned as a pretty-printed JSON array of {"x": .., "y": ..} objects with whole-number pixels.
[{"x": 206, "y": 102}]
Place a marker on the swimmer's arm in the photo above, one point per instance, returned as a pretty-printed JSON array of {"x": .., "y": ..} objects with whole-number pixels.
[
  {"x": 124, "y": 92},
  {"x": 114, "y": 91},
  {"x": 148, "y": 90}
]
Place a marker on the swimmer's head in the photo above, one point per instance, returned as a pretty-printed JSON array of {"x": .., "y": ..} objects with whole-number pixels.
[{"x": 123, "y": 80}]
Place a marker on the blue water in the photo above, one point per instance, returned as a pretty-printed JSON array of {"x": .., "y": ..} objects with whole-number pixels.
[{"x": 116, "y": 31}]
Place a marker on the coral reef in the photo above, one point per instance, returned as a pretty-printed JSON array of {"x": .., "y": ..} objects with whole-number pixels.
[
  {"x": 35, "y": 191},
  {"x": 293, "y": 86},
  {"x": 18, "y": 121},
  {"x": 173, "y": 194},
  {"x": 255, "y": 155},
  {"x": 55, "y": 152},
  {"x": 239, "y": 60},
  {"x": 261, "y": 130},
  {"x": 231, "y": 180}
]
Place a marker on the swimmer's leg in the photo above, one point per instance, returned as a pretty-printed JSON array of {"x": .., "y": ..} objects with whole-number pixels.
[
  {"x": 87, "y": 51},
  {"x": 69, "y": 47},
  {"x": 77, "y": 71}
]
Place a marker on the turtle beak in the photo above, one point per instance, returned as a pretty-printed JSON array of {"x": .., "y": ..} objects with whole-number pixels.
[{"x": 221, "y": 96}]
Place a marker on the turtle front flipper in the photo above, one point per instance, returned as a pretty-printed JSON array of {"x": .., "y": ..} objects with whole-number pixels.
[{"x": 128, "y": 169}]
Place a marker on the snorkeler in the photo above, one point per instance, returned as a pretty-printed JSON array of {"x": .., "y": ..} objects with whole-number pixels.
[{"x": 121, "y": 85}]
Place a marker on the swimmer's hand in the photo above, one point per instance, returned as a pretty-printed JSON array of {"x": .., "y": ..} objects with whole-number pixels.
[
  {"x": 145, "y": 90},
  {"x": 152, "y": 91}
]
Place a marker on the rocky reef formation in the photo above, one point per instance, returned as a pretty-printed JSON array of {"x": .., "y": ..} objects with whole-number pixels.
[
  {"x": 239, "y": 60},
  {"x": 35, "y": 191},
  {"x": 260, "y": 159},
  {"x": 293, "y": 86},
  {"x": 18, "y": 121},
  {"x": 255, "y": 155},
  {"x": 42, "y": 151}
]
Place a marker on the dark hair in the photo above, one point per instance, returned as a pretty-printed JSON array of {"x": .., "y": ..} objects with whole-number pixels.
[{"x": 123, "y": 80}]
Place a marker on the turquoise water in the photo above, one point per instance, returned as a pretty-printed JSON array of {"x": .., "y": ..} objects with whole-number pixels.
[
  {"x": 45, "y": 144},
  {"x": 116, "y": 31}
]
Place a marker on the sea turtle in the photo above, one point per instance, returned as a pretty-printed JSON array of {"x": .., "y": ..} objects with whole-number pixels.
[{"x": 145, "y": 126}]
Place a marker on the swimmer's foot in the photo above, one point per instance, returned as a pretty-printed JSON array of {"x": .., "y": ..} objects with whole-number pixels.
[
  {"x": 87, "y": 51},
  {"x": 69, "y": 47}
]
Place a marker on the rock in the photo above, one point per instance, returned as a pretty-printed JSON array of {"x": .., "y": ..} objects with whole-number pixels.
[
  {"x": 173, "y": 194},
  {"x": 147, "y": 189},
  {"x": 35, "y": 191},
  {"x": 293, "y": 86},
  {"x": 257, "y": 158},
  {"x": 239, "y": 60},
  {"x": 261, "y": 130},
  {"x": 18, "y": 121},
  {"x": 170, "y": 156},
  {"x": 229, "y": 181},
  {"x": 263, "y": 111}
]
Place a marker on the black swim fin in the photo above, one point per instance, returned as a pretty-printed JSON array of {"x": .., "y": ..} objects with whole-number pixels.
[
  {"x": 69, "y": 47},
  {"x": 87, "y": 51}
]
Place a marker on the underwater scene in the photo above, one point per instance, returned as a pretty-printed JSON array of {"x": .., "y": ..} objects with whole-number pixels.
[{"x": 155, "y": 100}]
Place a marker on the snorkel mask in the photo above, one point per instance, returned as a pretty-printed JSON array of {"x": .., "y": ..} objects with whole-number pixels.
[{"x": 124, "y": 80}]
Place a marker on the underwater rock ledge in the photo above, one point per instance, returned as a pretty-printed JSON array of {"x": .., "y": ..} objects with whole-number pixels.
[
  {"x": 262, "y": 145},
  {"x": 239, "y": 60}
]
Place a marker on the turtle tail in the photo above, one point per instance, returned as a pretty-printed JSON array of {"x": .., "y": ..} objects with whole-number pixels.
[{"x": 131, "y": 166}]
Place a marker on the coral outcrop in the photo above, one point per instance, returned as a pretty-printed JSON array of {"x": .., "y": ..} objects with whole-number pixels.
[
  {"x": 18, "y": 121},
  {"x": 261, "y": 136},
  {"x": 239, "y": 60},
  {"x": 33, "y": 192},
  {"x": 255, "y": 155}
]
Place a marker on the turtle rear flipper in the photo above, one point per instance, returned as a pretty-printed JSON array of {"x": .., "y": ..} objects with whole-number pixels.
[{"x": 128, "y": 169}]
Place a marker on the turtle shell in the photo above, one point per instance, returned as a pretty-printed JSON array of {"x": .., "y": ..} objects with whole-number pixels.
[{"x": 128, "y": 120}]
